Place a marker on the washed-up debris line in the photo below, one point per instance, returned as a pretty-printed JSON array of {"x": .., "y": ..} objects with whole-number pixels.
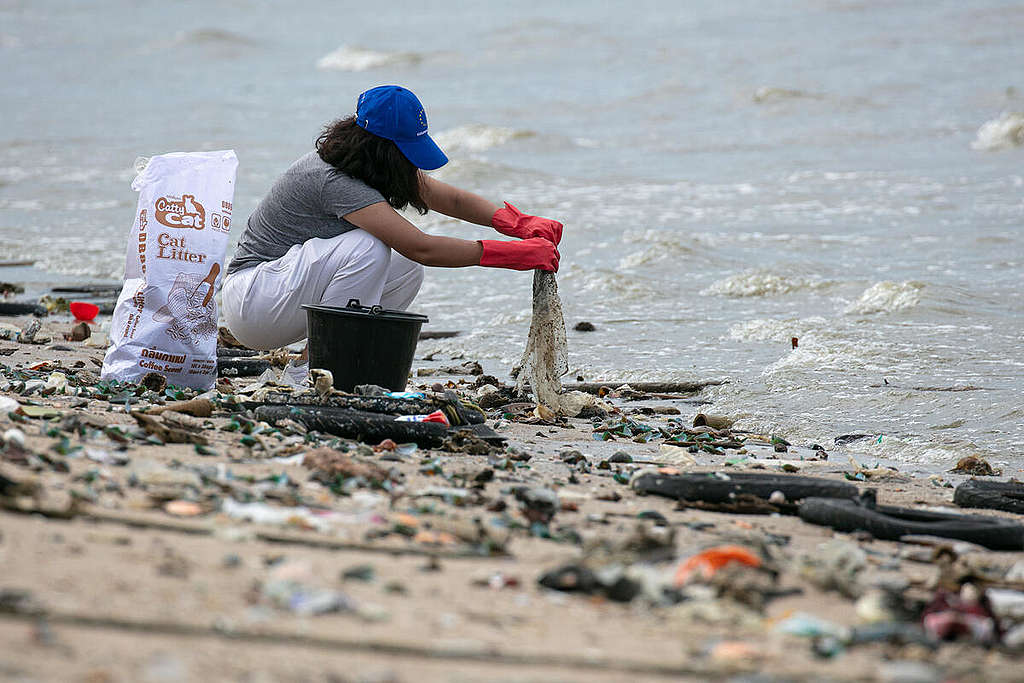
[{"x": 257, "y": 459}]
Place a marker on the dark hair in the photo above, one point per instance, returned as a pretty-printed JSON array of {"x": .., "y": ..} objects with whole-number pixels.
[{"x": 375, "y": 160}]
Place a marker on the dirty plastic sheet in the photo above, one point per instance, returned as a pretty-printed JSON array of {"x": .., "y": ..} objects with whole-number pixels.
[{"x": 546, "y": 357}]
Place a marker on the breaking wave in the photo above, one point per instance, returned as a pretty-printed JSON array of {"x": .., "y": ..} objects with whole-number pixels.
[
  {"x": 607, "y": 282},
  {"x": 814, "y": 364},
  {"x": 354, "y": 58},
  {"x": 762, "y": 283},
  {"x": 477, "y": 138},
  {"x": 659, "y": 246},
  {"x": 886, "y": 297},
  {"x": 1002, "y": 133}
]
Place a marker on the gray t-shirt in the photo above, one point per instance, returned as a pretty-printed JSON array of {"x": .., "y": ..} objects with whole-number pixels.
[{"x": 308, "y": 201}]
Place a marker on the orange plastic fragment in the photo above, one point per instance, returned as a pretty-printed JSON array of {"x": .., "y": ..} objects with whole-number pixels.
[
  {"x": 707, "y": 563},
  {"x": 407, "y": 520},
  {"x": 182, "y": 508},
  {"x": 434, "y": 538}
]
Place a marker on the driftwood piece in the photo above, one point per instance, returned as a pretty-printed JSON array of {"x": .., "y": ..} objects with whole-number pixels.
[
  {"x": 380, "y": 404},
  {"x": 645, "y": 387},
  {"x": 354, "y": 424},
  {"x": 197, "y": 407},
  {"x": 168, "y": 431}
]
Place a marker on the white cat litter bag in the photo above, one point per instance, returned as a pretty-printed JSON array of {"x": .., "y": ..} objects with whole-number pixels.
[{"x": 165, "y": 320}]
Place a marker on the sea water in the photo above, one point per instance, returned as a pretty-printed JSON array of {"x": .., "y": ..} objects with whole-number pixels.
[{"x": 730, "y": 175}]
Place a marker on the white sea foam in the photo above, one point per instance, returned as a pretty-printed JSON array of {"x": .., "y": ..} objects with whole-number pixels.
[
  {"x": 95, "y": 205},
  {"x": 766, "y": 94},
  {"x": 829, "y": 362},
  {"x": 477, "y": 138},
  {"x": 760, "y": 282},
  {"x": 886, "y": 297},
  {"x": 605, "y": 282},
  {"x": 910, "y": 449},
  {"x": 21, "y": 204},
  {"x": 658, "y": 245},
  {"x": 354, "y": 58},
  {"x": 14, "y": 174},
  {"x": 1002, "y": 133},
  {"x": 211, "y": 36},
  {"x": 511, "y": 318},
  {"x": 764, "y": 330}
]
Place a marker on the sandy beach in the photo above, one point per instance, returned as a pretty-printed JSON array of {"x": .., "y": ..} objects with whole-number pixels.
[{"x": 125, "y": 560}]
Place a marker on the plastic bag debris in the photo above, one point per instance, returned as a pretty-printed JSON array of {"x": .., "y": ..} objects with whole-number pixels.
[{"x": 546, "y": 357}]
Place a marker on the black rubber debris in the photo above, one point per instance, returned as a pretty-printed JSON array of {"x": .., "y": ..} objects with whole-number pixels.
[
  {"x": 993, "y": 495},
  {"x": 890, "y": 523},
  {"x": 717, "y": 488},
  {"x": 241, "y": 367}
]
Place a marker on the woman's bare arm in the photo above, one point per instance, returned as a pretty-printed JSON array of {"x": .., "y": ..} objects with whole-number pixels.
[
  {"x": 384, "y": 223},
  {"x": 455, "y": 202}
]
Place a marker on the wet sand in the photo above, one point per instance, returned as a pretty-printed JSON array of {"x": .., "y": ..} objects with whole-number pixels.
[{"x": 123, "y": 590}]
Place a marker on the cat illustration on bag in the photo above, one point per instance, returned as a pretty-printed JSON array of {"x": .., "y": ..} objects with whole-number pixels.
[{"x": 190, "y": 308}]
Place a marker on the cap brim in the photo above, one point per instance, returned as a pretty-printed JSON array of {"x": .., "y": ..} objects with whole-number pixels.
[{"x": 423, "y": 152}]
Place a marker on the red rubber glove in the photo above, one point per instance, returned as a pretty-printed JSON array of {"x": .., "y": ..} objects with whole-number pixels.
[
  {"x": 532, "y": 253},
  {"x": 514, "y": 223}
]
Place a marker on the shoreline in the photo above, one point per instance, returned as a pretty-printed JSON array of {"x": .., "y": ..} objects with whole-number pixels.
[{"x": 150, "y": 571}]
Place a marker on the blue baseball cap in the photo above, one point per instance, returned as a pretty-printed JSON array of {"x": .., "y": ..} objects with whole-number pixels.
[{"x": 394, "y": 113}]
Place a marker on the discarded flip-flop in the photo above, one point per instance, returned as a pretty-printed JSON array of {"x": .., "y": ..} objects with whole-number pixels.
[
  {"x": 994, "y": 495},
  {"x": 890, "y": 523}
]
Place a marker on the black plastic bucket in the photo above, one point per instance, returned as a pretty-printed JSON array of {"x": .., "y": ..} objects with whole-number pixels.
[{"x": 363, "y": 345}]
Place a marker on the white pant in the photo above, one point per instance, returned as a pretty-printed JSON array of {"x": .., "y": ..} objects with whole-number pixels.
[{"x": 263, "y": 305}]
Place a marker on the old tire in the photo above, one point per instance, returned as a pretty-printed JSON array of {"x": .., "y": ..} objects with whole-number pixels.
[
  {"x": 709, "y": 488},
  {"x": 994, "y": 495},
  {"x": 891, "y": 523}
]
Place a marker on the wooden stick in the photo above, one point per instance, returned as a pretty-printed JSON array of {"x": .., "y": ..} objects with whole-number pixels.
[{"x": 308, "y": 540}]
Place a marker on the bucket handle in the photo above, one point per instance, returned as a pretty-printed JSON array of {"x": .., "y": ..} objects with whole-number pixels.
[{"x": 373, "y": 310}]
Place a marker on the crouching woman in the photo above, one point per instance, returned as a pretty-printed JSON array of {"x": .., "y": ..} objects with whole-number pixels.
[{"x": 328, "y": 230}]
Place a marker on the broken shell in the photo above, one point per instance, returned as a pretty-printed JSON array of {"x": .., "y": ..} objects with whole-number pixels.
[
  {"x": 15, "y": 436},
  {"x": 543, "y": 412},
  {"x": 154, "y": 381}
]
